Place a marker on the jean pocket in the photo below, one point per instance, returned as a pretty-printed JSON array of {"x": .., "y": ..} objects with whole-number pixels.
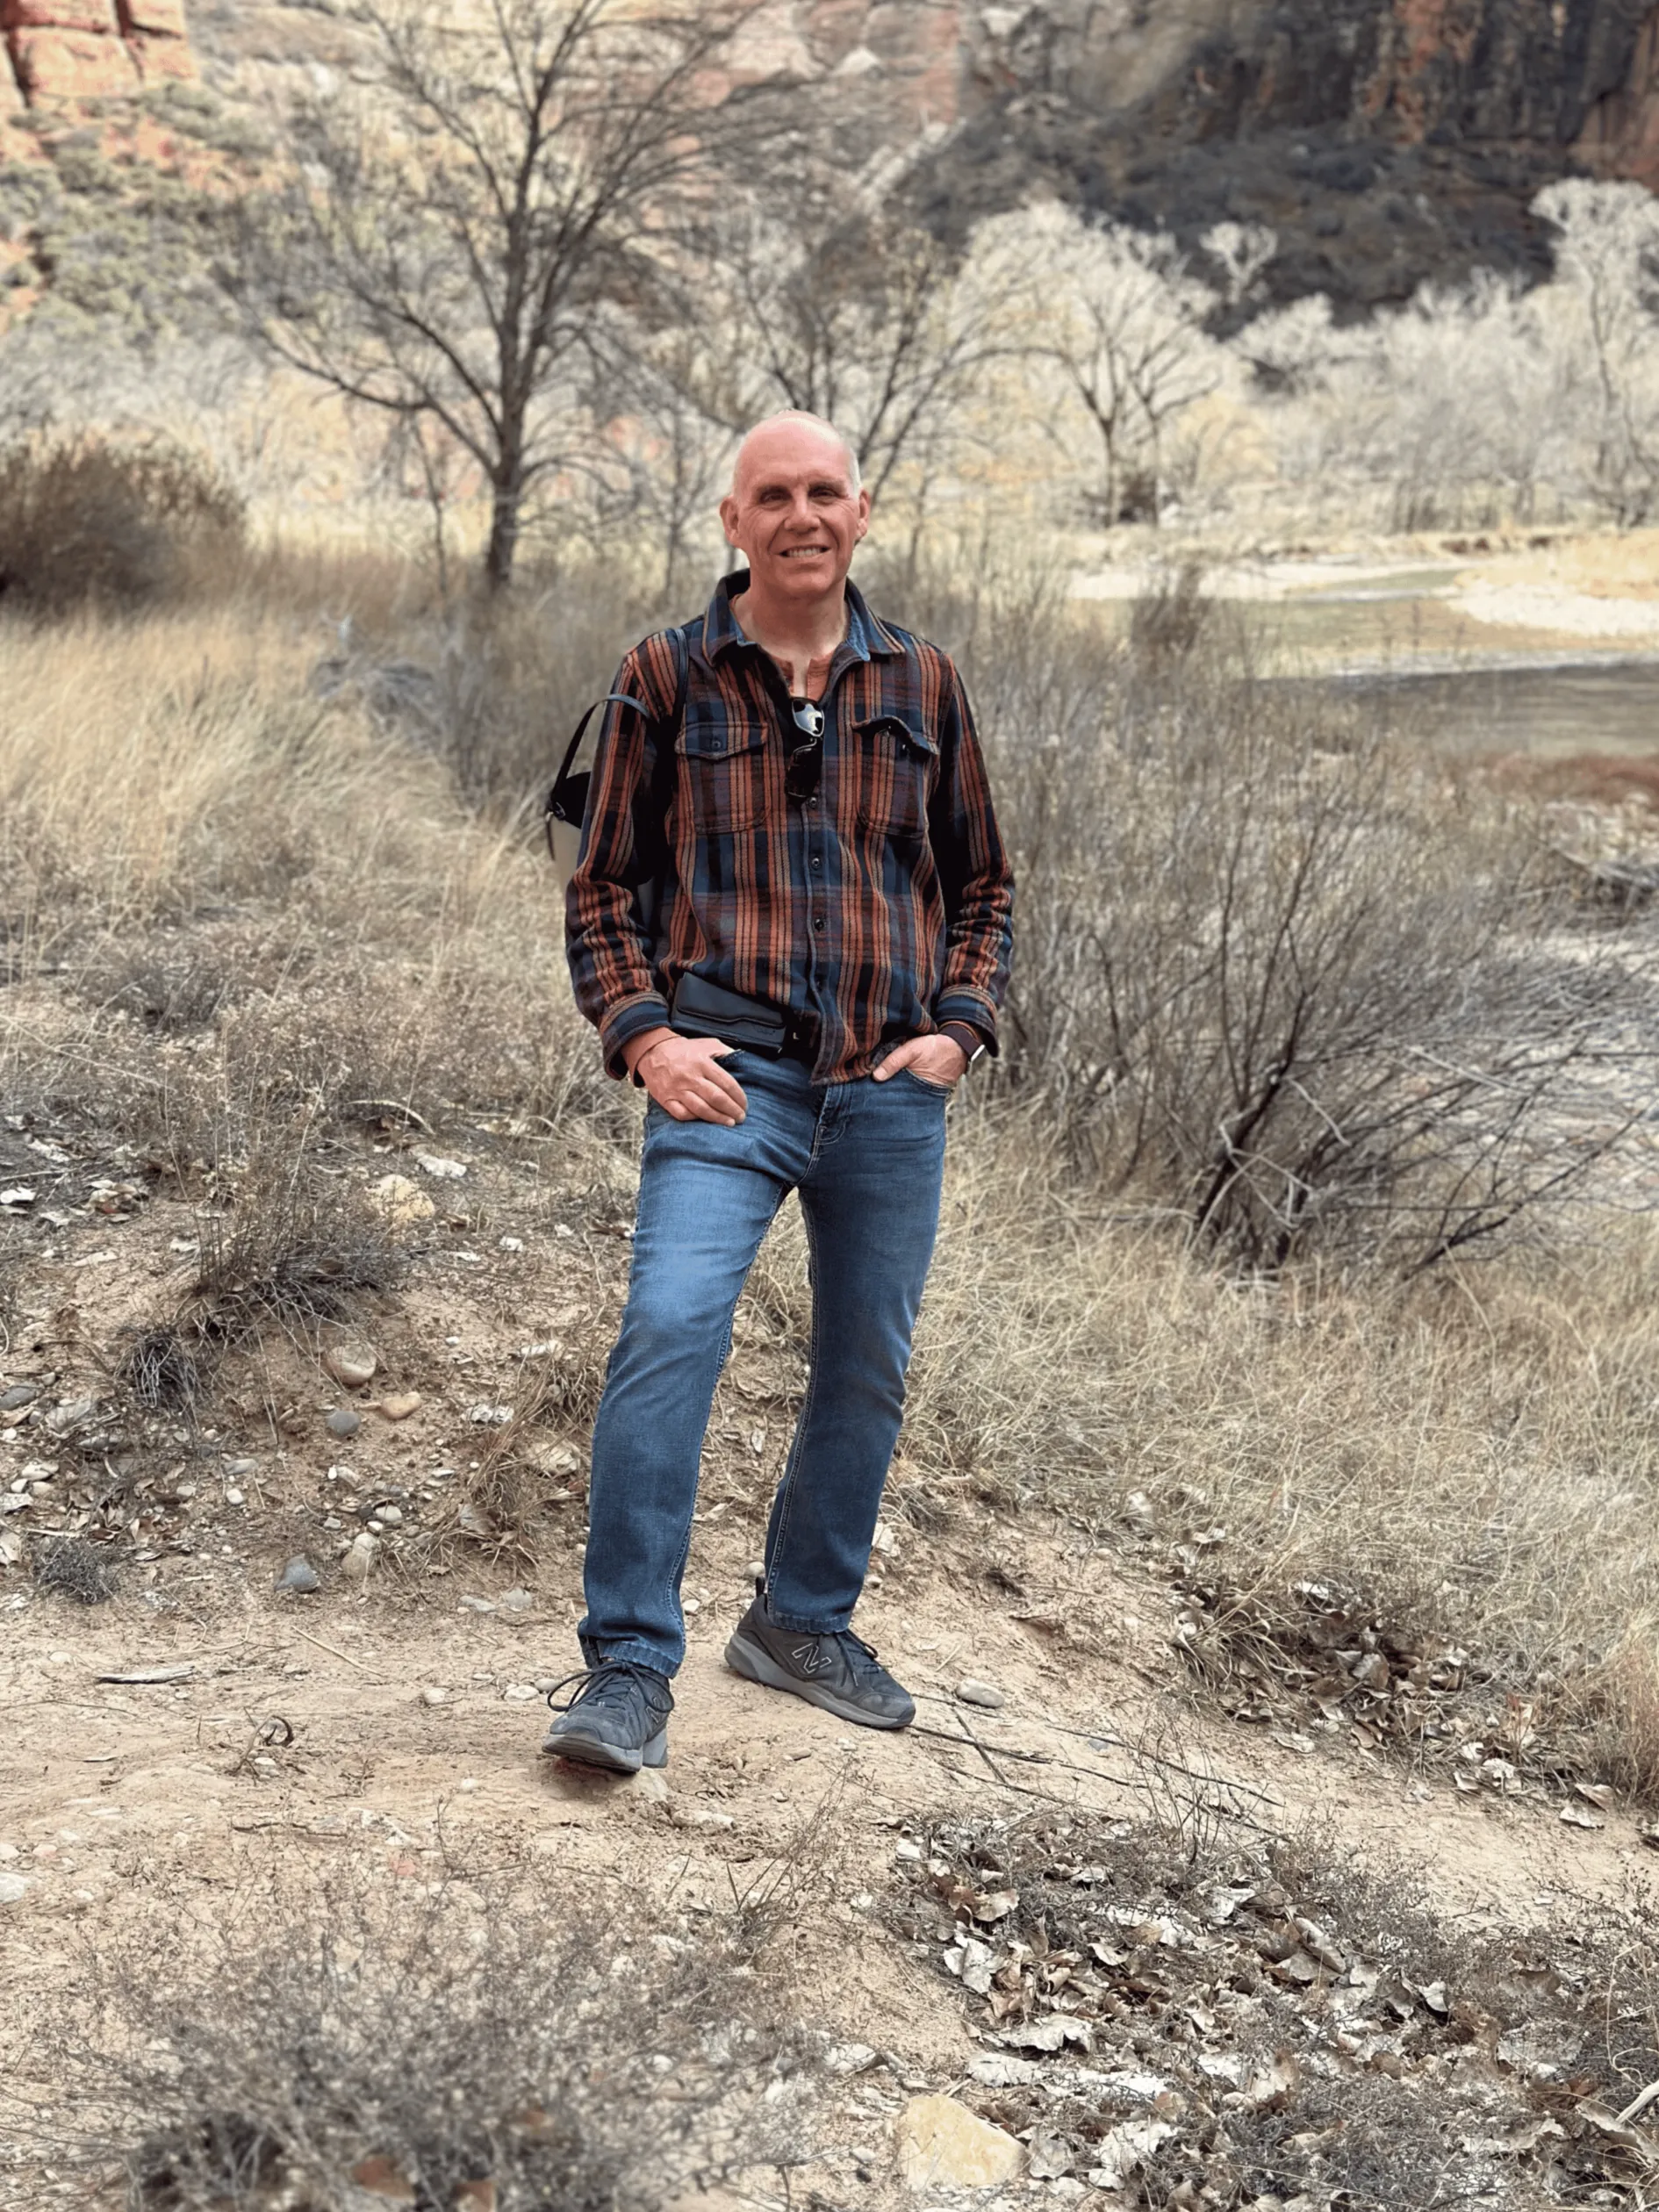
[{"x": 938, "y": 1090}]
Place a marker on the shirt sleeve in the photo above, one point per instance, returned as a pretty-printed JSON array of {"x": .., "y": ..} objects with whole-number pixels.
[
  {"x": 974, "y": 875},
  {"x": 624, "y": 849}
]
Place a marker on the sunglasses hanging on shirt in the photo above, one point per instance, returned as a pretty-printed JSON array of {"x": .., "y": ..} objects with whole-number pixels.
[{"x": 804, "y": 765}]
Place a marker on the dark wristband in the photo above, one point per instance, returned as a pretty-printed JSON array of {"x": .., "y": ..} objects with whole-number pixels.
[{"x": 967, "y": 1037}]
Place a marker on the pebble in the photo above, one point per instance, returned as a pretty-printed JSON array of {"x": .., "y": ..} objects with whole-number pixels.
[
  {"x": 435, "y": 1696},
  {"x": 442, "y": 1170},
  {"x": 399, "y": 1406},
  {"x": 400, "y": 1202},
  {"x": 13, "y": 1889},
  {"x": 235, "y": 1469},
  {"x": 515, "y": 1601},
  {"x": 351, "y": 1364},
  {"x": 73, "y": 1413},
  {"x": 19, "y": 1394},
  {"x": 234, "y": 1497},
  {"x": 298, "y": 1576},
  {"x": 477, "y": 1605},
  {"x": 392, "y": 1516},
  {"x": 520, "y": 1693},
  {"x": 980, "y": 1693},
  {"x": 360, "y": 1557},
  {"x": 344, "y": 1422}
]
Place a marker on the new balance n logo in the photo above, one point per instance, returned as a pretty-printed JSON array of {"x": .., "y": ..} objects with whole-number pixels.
[{"x": 811, "y": 1658}]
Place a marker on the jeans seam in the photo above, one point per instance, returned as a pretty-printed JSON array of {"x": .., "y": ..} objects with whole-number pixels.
[{"x": 798, "y": 1444}]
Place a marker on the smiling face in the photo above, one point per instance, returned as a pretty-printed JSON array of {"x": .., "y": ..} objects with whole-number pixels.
[{"x": 792, "y": 512}]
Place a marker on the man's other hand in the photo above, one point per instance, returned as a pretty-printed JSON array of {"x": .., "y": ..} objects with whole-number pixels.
[
  {"x": 935, "y": 1059},
  {"x": 684, "y": 1076}
]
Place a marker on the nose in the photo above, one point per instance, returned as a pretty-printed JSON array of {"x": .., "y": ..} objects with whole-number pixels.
[{"x": 800, "y": 514}]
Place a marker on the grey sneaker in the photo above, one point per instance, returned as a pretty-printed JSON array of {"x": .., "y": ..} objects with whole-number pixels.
[
  {"x": 617, "y": 1720},
  {"x": 836, "y": 1672}
]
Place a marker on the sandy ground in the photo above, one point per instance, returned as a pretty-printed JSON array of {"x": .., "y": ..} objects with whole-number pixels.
[{"x": 1542, "y": 594}]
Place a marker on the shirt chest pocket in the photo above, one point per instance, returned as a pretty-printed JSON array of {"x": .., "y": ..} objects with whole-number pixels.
[
  {"x": 722, "y": 774},
  {"x": 896, "y": 759}
]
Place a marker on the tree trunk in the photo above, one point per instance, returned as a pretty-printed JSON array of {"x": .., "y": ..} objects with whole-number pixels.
[{"x": 504, "y": 535}]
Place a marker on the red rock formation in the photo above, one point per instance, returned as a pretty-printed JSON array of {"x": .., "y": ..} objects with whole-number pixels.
[
  {"x": 62, "y": 50},
  {"x": 1620, "y": 136}
]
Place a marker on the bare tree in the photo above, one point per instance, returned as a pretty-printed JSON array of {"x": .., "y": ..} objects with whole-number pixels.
[
  {"x": 819, "y": 293},
  {"x": 451, "y": 235},
  {"x": 1117, "y": 314},
  {"x": 1608, "y": 254}
]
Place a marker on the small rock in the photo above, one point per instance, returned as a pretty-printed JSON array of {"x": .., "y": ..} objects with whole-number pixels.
[
  {"x": 515, "y": 1601},
  {"x": 344, "y": 1421},
  {"x": 392, "y": 1516},
  {"x": 399, "y": 1406},
  {"x": 520, "y": 1693},
  {"x": 941, "y": 2144},
  {"x": 19, "y": 1394},
  {"x": 400, "y": 1202},
  {"x": 980, "y": 1693},
  {"x": 360, "y": 1557},
  {"x": 477, "y": 1605},
  {"x": 13, "y": 1889},
  {"x": 351, "y": 1364},
  {"x": 511, "y": 1244},
  {"x": 440, "y": 1169},
  {"x": 234, "y": 1497},
  {"x": 435, "y": 1696},
  {"x": 235, "y": 1469},
  {"x": 73, "y": 1413},
  {"x": 298, "y": 1576}
]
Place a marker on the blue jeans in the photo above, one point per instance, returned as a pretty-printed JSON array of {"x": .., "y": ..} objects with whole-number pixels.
[{"x": 866, "y": 1159}]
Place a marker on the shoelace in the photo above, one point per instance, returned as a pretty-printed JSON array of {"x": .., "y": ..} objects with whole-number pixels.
[{"x": 591, "y": 1679}]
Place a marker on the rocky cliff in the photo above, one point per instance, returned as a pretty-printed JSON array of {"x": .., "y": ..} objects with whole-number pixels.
[
  {"x": 1384, "y": 140},
  {"x": 59, "y": 50}
]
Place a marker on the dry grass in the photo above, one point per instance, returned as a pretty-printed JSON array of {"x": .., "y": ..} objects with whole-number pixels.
[
  {"x": 255, "y": 923},
  {"x": 330, "y": 2038}
]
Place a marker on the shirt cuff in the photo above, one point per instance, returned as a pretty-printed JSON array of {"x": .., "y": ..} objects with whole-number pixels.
[{"x": 632, "y": 1018}]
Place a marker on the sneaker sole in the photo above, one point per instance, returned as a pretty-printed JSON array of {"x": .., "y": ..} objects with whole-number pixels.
[
  {"x": 615, "y": 1758},
  {"x": 754, "y": 1664}
]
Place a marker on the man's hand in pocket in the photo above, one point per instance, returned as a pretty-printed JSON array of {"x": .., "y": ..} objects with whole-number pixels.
[
  {"x": 684, "y": 1076},
  {"x": 935, "y": 1059}
]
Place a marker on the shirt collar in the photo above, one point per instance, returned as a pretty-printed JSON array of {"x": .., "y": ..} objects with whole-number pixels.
[{"x": 867, "y": 638}]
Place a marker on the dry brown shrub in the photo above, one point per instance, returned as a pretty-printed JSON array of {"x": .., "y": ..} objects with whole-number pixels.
[{"x": 83, "y": 520}]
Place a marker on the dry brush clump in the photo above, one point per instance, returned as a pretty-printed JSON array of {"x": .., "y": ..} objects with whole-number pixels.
[
  {"x": 322, "y": 2042},
  {"x": 1286, "y": 978},
  {"x": 1265, "y": 2020},
  {"x": 86, "y": 521}
]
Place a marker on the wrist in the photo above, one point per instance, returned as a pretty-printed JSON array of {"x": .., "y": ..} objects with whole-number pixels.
[{"x": 638, "y": 1049}]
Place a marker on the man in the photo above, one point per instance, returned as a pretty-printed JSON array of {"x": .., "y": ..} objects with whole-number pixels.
[{"x": 828, "y": 952}]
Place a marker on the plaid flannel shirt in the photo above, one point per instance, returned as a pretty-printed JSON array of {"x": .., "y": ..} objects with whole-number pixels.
[{"x": 877, "y": 911}]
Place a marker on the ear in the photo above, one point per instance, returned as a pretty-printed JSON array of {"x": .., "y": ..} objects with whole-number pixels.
[
  {"x": 864, "y": 510},
  {"x": 728, "y": 513}
]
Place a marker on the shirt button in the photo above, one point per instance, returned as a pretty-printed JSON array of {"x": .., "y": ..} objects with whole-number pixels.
[
  {"x": 817, "y": 862},
  {"x": 817, "y": 922}
]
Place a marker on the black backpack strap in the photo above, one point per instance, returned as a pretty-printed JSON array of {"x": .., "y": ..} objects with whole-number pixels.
[{"x": 567, "y": 801}]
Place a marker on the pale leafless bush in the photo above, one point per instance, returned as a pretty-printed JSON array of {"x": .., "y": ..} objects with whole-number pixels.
[
  {"x": 417, "y": 2042},
  {"x": 1279, "y": 975}
]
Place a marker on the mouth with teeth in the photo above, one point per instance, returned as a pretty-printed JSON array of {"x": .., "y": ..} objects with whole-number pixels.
[{"x": 803, "y": 552}]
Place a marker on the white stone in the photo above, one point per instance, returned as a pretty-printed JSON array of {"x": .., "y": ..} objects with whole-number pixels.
[{"x": 941, "y": 2144}]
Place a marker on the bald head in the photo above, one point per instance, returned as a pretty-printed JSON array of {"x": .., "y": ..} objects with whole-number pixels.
[{"x": 792, "y": 436}]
